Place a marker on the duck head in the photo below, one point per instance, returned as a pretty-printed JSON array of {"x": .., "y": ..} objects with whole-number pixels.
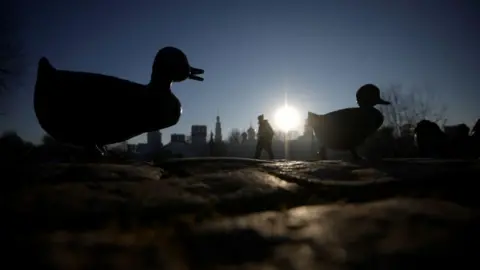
[
  {"x": 369, "y": 95},
  {"x": 171, "y": 65}
]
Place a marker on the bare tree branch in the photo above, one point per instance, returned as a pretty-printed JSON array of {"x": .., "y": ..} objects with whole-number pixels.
[
  {"x": 11, "y": 53},
  {"x": 409, "y": 107}
]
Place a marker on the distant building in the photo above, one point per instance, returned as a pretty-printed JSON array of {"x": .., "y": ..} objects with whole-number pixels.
[
  {"x": 154, "y": 140},
  {"x": 218, "y": 130},
  {"x": 251, "y": 133},
  {"x": 142, "y": 148},
  {"x": 199, "y": 135},
  {"x": 178, "y": 146},
  {"x": 121, "y": 146},
  {"x": 302, "y": 147},
  {"x": 198, "y": 142},
  {"x": 131, "y": 148},
  {"x": 177, "y": 138},
  {"x": 244, "y": 137}
]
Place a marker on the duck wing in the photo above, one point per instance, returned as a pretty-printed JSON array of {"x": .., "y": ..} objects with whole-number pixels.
[
  {"x": 83, "y": 99},
  {"x": 76, "y": 87},
  {"x": 348, "y": 127},
  {"x": 355, "y": 118}
]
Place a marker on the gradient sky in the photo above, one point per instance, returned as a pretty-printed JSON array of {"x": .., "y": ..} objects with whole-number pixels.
[{"x": 319, "y": 52}]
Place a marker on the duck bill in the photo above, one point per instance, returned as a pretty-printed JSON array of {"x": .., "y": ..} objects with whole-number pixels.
[
  {"x": 383, "y": 102},
  {"x": 194, "y": 72}
]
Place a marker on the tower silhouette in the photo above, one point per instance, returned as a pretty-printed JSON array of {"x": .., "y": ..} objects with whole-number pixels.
[
  {"x": 251, "y": 133},
  {"x": 218, "y": 130}
]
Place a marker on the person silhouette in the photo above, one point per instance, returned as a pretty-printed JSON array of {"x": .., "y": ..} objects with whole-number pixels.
[{"x": 264, "y": 137}]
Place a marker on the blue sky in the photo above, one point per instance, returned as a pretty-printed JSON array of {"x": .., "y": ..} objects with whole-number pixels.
[{"x": 319, "y": 52}]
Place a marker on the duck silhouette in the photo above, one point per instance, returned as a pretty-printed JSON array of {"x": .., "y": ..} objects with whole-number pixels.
[
  {"x": 93, "y": 110},
  {"x": 454, "y": 141},
  {"x": 348, "y": 128},
  {"x": 430, "y": 140}
]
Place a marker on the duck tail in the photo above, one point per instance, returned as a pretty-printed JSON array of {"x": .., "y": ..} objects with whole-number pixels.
[
  {"x": 45, "y": 69},
  {"x": 44, "y": 65},
  {"x": 314, "y": 119},
  {"x": 44, "y": 72},
  {"x": 316, "y": 122}
]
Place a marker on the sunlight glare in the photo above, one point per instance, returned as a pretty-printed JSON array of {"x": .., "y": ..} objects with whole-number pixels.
[{"x": 287, "y": 118}]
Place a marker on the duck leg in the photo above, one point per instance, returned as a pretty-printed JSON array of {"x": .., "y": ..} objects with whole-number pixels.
[{"x": 102, "y": 150}]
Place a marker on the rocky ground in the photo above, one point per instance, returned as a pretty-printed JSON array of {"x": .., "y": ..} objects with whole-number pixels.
[{"x": 243, "y": 214}]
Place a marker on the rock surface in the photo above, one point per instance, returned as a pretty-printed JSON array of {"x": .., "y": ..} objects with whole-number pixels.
[{"x": 247, "y": 214}]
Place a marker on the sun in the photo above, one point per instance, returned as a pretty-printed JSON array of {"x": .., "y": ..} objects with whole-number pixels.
[{"x": 287, "y": 118}]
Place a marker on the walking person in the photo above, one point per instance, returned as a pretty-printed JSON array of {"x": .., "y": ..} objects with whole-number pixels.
[{"x": 264, "y": 137}]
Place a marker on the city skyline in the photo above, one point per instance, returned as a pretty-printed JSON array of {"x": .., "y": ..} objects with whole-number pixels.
[
  {"x": 218, "y": 133},
  {"x": 319, "y": 52}
]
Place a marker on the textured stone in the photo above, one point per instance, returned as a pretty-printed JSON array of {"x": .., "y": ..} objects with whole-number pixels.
[{"x": 248, "y": 214}]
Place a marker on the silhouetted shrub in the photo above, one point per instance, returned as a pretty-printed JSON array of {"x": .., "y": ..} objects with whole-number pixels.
[
  {"x": 51, "y": 150},
  {"x": 385, "y": 143},
  {"x": 14, "y": 149}
]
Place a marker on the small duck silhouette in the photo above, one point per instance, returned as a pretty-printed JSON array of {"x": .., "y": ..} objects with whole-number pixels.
[
  {"x": 348, "y": 128},
  {"x": 94, "y": 110},
  {"x": 455, "y": 141},
  {"x": 430, "y": 140}
]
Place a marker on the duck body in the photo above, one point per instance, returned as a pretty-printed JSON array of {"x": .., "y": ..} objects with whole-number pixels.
[
  {"x": 348, "y": 128},
  {"x": 430, "y": 140},
  {"x": 94, "y": 110},
  {"x": 83, "y": 108}
]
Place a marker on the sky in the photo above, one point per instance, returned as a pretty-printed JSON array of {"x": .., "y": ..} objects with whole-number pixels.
[{"x": 318, "y": 52}]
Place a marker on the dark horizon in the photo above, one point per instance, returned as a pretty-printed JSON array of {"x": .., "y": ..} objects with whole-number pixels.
[{"x": 319, "y": 52}]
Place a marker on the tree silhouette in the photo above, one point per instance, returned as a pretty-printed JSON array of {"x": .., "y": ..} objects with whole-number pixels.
[
  {"x": 396, "y": 137},
  {"x": 11, "y": 53},
  {"x": 410, "y": 107},
  {"x": 52, "y": 150},
  {"x": 13, "y": 148},
  {"x": 49, "y": 141}
]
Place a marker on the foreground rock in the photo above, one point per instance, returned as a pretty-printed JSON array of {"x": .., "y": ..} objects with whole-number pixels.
[
  {"x": 390, "y": 234},
  {"x": 234, "y": 214}
]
